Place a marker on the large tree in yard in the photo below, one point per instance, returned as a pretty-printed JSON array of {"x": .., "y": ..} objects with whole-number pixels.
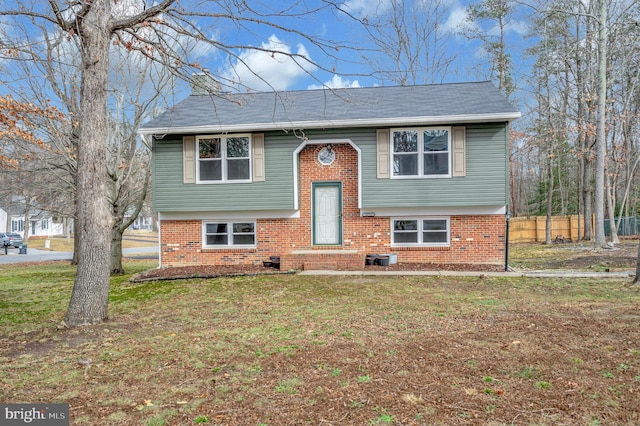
[
  {"x": 163, "y": 31},
  {"x": 136, "y": 88}
]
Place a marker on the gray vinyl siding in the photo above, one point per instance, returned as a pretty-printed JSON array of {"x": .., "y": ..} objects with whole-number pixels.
[
  {"x": 170, "y": 194},
  {"x": 485, "y": 183}
]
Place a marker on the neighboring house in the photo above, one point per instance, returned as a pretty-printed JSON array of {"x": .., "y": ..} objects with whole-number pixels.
[
  {"x": 144, "y": 222},
  {"x": 3, "y": 220},
  {"x": 41, "y": 223},
  {"x": 322, "y": 178},
  {"x": 141, "y": 223}
]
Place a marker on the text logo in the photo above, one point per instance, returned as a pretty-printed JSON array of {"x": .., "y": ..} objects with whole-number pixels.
[{"x": 34, "y": 414}]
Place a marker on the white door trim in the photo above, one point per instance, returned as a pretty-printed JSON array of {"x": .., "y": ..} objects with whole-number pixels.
[{"x": 327, "y": 213}]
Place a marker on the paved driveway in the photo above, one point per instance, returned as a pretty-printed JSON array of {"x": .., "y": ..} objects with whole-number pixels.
[{"x": 35, "y": 255}]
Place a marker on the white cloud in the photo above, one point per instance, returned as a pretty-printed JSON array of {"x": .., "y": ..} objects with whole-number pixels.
[
  {"x": 366, "y": 8},
  {"x": 458, "y": 19},
  {"x": 265, "y": 69},
  {"x": 336, "y": 82},
  {"x": 519, "y": 27}
]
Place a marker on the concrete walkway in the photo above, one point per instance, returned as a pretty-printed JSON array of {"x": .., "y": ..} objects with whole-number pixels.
[{"x": 528, "y": 274}]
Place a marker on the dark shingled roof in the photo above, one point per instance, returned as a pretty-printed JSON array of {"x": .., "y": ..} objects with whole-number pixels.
[{"x": 327, "y": 108}]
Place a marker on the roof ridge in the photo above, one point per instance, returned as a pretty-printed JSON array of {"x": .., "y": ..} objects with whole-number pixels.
[{"x": 333, "y": 89}]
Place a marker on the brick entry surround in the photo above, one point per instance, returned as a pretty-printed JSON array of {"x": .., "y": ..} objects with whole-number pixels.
[{"x": 474, "y": 239}]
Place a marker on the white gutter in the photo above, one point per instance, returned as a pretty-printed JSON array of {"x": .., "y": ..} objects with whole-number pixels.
[{"x": 325, "y": 124}]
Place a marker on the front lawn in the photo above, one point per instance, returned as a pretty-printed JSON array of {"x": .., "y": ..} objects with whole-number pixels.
[{"x": 291, "y": 350}]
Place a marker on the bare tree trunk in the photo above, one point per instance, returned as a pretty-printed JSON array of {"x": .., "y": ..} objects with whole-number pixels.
[
  {"x": 76, "y": 240},
  {"x": 27, "y": 222},
  {"x": 116, "y": 251},
  {"x": 588, "y": 118},
  {"x": 9, "y": 209},
  {"x": 636, "y": 280},
  {"x": 120, "y": 225},
  {"x": 613, "y": 229},
  {"x": 547, "y": 233},
  {"x": 89, "y": 299},
  {"x": 601, "y": 148},
  {"x": 66, "y": 229},
  {"x": 586, "y": 195},
  {"x": 581, "y": 136}
]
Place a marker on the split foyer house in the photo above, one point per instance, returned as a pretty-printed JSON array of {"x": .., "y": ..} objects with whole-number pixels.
[{"x": 322, "y": 178}]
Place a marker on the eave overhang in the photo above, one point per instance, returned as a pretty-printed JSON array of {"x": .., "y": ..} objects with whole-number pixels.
[{"x": 329, "y": 124}]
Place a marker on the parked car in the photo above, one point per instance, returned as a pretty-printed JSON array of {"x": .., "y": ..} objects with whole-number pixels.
[{"x": 15, "y": 240}]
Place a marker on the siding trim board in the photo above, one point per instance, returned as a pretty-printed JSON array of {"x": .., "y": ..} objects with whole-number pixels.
[
  {"x": 291, "y": 214},
  {"x": 234, "y": 215},
  {"x": 434, "y": 211}
]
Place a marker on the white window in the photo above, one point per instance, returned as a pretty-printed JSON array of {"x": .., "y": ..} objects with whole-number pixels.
[
  {"x": 223, "y": 158},
  {"x": 17, "y": 225},
  {"x": 421, "y": 152},
  {"x": 420, "y": 231},
  {"x": 229, "y": 234}
]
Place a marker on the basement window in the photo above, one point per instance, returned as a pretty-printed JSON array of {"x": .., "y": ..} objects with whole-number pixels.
[
  {"x": 420, "y": 232},
  {"x": 229, "y": 234}
]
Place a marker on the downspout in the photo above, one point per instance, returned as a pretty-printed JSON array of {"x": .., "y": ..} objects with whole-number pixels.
[
  {"x": 506, "y": 244},
  {"x": 507, "y": 213}
]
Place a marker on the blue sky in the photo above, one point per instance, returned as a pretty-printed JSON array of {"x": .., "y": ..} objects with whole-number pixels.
[
  {"x": 345, "y": 68},
  {"x": 350, "y": 70}
]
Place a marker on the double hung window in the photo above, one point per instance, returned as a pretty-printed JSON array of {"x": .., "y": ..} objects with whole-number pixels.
[
  {"x": 421, "y": 152},
  {"x": 410, "y": 231},
  {"x": 224, "y": 158},
  {"x": 17, "y": 225},
  {"x": 229, "y": 234}
]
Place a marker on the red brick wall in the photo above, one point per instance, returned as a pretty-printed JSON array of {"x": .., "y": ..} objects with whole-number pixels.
[{"x": 474, "y": 239}]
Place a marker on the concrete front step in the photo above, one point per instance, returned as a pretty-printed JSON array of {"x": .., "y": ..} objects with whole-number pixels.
[
  {"x": 320, "y": 266},
  {"x": 323, "y": 260}
]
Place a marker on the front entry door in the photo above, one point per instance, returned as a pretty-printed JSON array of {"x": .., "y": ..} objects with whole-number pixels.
[{"x": 327, "y": 213}]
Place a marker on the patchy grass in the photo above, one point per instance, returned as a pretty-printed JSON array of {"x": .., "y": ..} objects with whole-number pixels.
[
  {"x": 574, "y": 256},
  {"x": 336, "y": 350},
  {"x": 34, "y": 295}
]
